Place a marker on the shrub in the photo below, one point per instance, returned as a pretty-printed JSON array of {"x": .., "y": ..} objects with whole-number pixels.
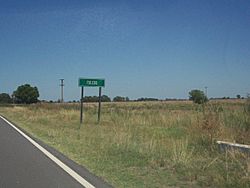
[{"x": 198, "y": 96}]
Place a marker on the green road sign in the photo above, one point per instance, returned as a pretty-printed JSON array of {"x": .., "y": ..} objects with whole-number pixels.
[{"x": 90, "y": 82}]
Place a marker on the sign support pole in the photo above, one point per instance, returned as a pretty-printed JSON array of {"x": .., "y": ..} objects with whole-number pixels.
[
  {"x": 81, "y": 105},
  {"x": 99, "y": 107},
  {"x": 91, "y": 82}
]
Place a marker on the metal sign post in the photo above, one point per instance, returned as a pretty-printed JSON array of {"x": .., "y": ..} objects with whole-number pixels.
[
  {"x": 90, "y": 82},
  {"x": 81, "y": 105},
  {"x": 99, "y": 106}
]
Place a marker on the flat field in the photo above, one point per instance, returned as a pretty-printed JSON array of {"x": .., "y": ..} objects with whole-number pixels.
[{"x": 147, "y": 144}]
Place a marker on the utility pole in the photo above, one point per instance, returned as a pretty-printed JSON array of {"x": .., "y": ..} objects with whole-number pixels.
[{"x": 62, "y": 84}]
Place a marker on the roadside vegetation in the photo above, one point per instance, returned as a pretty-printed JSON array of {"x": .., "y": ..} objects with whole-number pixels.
[{"x": 147, "y": 144}]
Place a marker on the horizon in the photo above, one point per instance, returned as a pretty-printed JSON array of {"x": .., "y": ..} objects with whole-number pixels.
[{"x": 159, "y": 49}]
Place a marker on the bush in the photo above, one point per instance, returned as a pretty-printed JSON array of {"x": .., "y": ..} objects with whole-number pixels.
[{"x": 197, "y": 96}]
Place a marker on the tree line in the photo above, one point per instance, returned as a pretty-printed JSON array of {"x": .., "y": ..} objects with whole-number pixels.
[{"x": 26, "y": 94}]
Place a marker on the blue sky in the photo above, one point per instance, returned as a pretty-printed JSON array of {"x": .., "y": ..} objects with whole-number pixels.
[{"x": 143, "y": 48}]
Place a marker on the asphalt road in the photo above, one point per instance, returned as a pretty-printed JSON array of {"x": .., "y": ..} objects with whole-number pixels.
[{"x": 23, "y": 165}]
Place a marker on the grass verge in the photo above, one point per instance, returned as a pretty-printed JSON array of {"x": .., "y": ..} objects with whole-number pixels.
[{"x": 147, "y": 144}]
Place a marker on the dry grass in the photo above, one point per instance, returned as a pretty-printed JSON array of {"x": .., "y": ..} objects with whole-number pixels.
[{"x": 146, "y": 144}]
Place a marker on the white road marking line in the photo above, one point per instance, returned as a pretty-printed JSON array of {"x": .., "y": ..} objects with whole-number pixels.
[{"x": 66, "y": 168}]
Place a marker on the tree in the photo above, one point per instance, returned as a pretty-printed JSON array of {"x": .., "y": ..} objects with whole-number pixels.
[
  {"x": 5, "y": 98},
  {"x": 26, "y": 94},
  {"x": 90, "y": 99},
  {"x": 238, "y": 96},
  {"x": 147, "y": 99},
  {"x": 105, "y": 98},
  {"x": 197, "y": 96},
  {"x": 119, "y": 99}
]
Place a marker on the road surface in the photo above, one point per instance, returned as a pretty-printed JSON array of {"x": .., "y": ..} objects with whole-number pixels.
[{"x": 28, "y": 163}]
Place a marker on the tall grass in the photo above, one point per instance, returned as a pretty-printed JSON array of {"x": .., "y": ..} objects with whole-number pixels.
[{"x": 147, "y": 144}]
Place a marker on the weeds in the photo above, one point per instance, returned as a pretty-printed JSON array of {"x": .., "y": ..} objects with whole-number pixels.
[
  {"x": 153, "y": 144},
  {"x": 210, "y": 126},
  {"x": 181, "y": 154}
]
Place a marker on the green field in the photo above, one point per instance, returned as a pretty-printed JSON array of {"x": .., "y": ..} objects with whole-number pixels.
[{"x": 147, "y": 144}]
